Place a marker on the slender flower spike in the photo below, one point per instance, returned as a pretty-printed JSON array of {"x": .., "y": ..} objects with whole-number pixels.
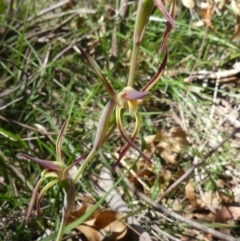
[
  {"x": 55, "y": 170},
  {"x": 170, "y": 23},
  {"x": 143, "y": 13}
]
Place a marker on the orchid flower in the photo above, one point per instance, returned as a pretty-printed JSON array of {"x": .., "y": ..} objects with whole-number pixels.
[
  {"x": 57, "y": 172},
  {"x": 127, "y": 99}
]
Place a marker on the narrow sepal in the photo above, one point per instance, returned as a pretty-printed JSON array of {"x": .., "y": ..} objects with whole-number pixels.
[
  {"x": 95, "y": 67},
  {"x": 33, "y": 198},
  {"x": 165, "y": 13},
  {"x": 73, "y": 164},
  {"x": 155, "y": 78},
  {"x": 168, "y": 27},
  {"x": 50, "y": 165}
]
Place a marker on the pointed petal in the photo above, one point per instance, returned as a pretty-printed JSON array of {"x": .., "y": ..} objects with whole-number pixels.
[
  {"x": 64, "y": 175},
  {"x": 155, "y": 78},
  {"x": 168, "y": 27},
  {"x": 165, "y": 13},
  {"x": 165, "y": 37},
  {"x": 103, "y": 124},
  {"x": 54, "y": 166},
  {"x": 33, "y": 198},
  {"x": 125, "y": 136},
  {"x": 59, "y": 142},
  {"x": 78, "y": 160},
  {"x": 44, "y": 190},
  {"x": 105, "y": 82},
  {"x": 133, "y": 137}
]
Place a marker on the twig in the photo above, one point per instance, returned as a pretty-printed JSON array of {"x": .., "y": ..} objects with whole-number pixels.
[
  {"x": 20, "y": 176},
  {"x": 10, "y": 103},
  {"x": 63, "y": 14},
  {"x": 72, "y": 44},
  {"x": 24, "y": 72},
  {"x": 215, "y": 96},
  {"x": 16, "y": 172},
  {"x": 231, "y": 116},
  {"x": 177, "y": 216},
  {"x": 49, "y": 9},
  {"x": 135, "y": 175},
  {"x": 45, "y": 133},
  {"x": 121, "y": 14},
  {"x": 198, "y": 181},
  {"x": 169, "y": 236},
  {"x": 191, "y": 169},
  {"x": 49, "y": 30},
  {"x": 200, "y": 51},
  {"x": 44, "y": 31}
]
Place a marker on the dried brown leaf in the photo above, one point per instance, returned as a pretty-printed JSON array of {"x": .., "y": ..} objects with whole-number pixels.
[
  {"x": 201, "y": 214},
  {"x": 90, "y": 233},
  {"x": 207, "y": 12},
  {"x": 166, "y": 175},
  {"x": 227, "y": 213},
  {"x": 145, "y": 174},
  {"x": 150, "y": 145},
  {"x": 115, "y": 201},
  {"x": 236, "y": 28},
  {"x": 100, "y": 223},
  {"x": 110, "y": 220},
  {"x": 222, "y": 5},
  {"x": 188, "y": 3},
  {"x": 235, "y": 5},
  {"x": 68, "y": 5},
  {"x": 170, "y": 144},
  {"x": 106, "y": 217},
  {"x": 212, "y": 199},
  {"x": 189, "y": 191},
  {"x": 80, "y": 212},
  {"x": 118, "y": 230},
  {"x": 225, "y": 191}
]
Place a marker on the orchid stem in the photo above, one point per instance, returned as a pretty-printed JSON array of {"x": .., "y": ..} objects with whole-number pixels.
[
  {"x": 85, "y": 163},
  {"x": 133, "y": 64},
  {"x": 61, "y": 229}
]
